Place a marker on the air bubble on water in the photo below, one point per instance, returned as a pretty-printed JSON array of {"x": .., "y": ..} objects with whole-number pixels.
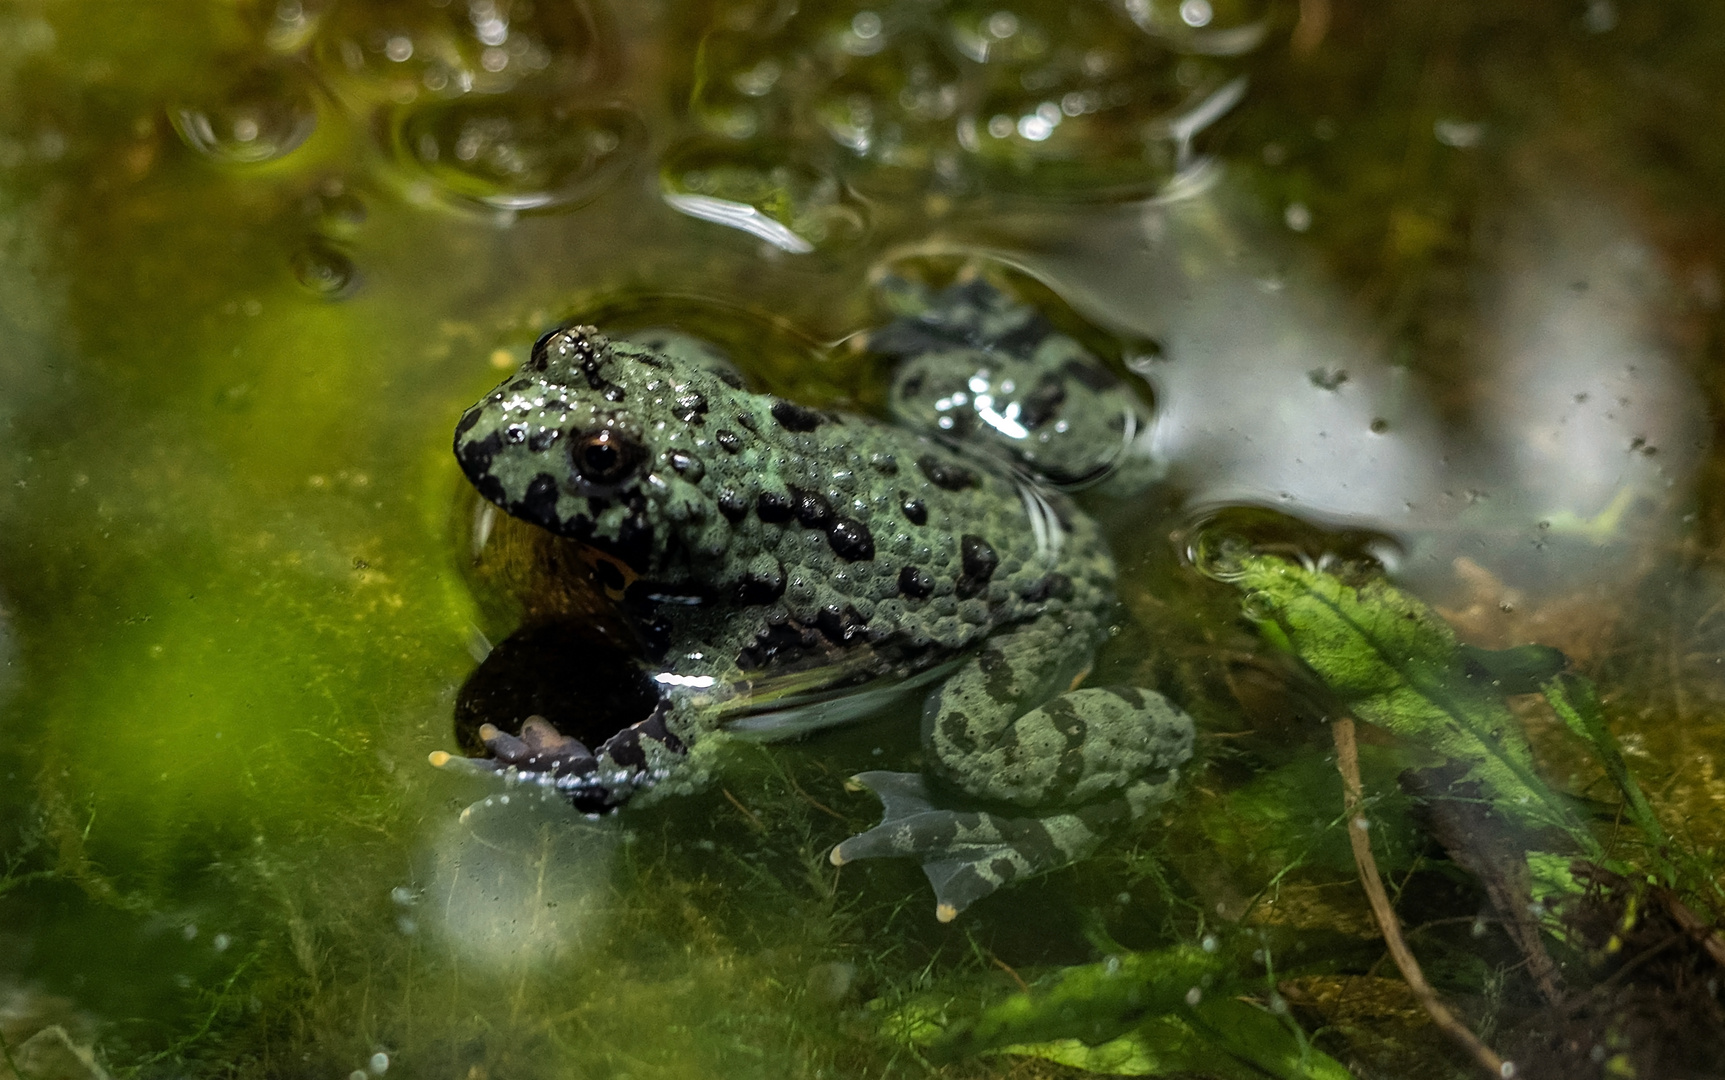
[
  {"x": 1297, "y": 216},
  {"x": 340, "y": 212},
  {"x": 379, "y": 1063},
  {"x": 1034, "y": 127},
  {"x": 324, "y": 270},
  {"x": 263, "y": 116},
  {"x": 516, "y": 154},
  {"x": 1196, "y": 13},
  {"x": 794, "y": 207},
  {"x": 221, "y": 942},
  {"x": 398, "y": 53},
  {"x": 1259, "y": 606}
]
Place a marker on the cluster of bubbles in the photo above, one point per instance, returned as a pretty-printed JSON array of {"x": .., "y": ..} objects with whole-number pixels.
[
  {"x": 797, "y": 113},
  {"x": 1050, "y": 98},
  {"x": 487, "y": 105}
]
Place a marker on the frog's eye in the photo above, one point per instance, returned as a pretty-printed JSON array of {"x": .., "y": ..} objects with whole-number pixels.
[{"x": 607, "y": 457}]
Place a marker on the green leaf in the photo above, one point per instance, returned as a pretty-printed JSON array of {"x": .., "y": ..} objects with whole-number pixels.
[
  {"x": 1170, "y": 1011},
  {"x": 1094, "y": 1003},
  {"x": 1393, "y": 663}
]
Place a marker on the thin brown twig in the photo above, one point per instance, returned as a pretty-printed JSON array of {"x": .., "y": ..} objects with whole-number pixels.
[
  {"x": 1348, "y": 764},
  {"x": 1004, "y": 966},
  {"x": 1698, "y": 928},
  {"x": 814, "y": 802},
  {"x": 746, "y": 812}
]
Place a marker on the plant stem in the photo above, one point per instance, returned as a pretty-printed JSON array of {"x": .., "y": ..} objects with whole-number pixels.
[{"x": 1348, "y": 764}]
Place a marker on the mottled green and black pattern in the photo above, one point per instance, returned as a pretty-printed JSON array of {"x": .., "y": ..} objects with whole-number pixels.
[{"x": 789, "y": 568}]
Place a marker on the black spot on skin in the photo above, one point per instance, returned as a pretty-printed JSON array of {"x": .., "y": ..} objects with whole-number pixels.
[
  {"x": 541, "y": 440},
  {"x": 780, "y": 643},
  {"x": 1091, "y": 374},
  {"x": 597, "y": 506},
  {"x": 747, "y": 423},
  {"x": 1043, "y": 402},
  {"x": 998, "y": 678},
  {"x": 539, "y": 504},
  {"x": 1058, "y": 586},
  {"x": 979, "y": 561},
  {"x": 946, "y": 474},
  {"x": 773, "y": 508},
  {"x": 885, "y": 464},
  {"x": 915, "y": 511},
  {"x": 608, "y": 574},
  {"x": 476, "y": 455},
  {"x": 520, "y": 386},
  {"x": 635, "y": 541},
  {"x": 850, "y": 540},
  {"x": 688, "y": 465},
  {"x": 729, "y": 441},
  {"x": 654, "y": 728},
  {"x": 733, "y": 506},
  {"x": 812, "y": 509},
  {"x": 1024, "y": 339},
  {"x": 728, "y": 377},
  {"x": 912, "y": 386},
  {"x": 841, "y": 627},
  {"x": 914, "y": 582},
  {"x": 955, "y": 725},
  {"x": 691, "y": 407},
  {"x": 624, "y": 748},
  {"x": 1132, "y": 696},
  {"x": 468, "y": 419},
  {"x": 490, "y": 488},
  {"x": 761, "y": 589},
  {"x": 793, "y": 417}
]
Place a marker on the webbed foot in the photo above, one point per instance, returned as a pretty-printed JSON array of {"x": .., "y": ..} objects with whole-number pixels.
[
  {"x": 540, "y": 748},
  {"x": 592, "y": 780},
  {"x": 969, "y": 854}
]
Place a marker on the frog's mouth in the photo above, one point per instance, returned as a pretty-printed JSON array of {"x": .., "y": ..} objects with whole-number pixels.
[{"x": 553, "y": 706}]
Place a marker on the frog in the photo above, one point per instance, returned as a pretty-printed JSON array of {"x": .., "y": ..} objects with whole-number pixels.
[{"x": 787, "y": 568}]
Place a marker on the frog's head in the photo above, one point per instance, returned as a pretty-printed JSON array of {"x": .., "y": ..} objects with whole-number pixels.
[{"x": 591, "y": 440}]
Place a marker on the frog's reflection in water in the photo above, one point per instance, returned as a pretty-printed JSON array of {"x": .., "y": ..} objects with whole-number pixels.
[{"x": 518, "y": 881}]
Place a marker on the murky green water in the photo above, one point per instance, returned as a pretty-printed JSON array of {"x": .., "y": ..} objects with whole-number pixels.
[{"x": 1445, "y": 276}]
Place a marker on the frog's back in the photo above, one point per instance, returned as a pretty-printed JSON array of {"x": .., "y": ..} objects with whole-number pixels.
[{"x": 846, "y": 535}]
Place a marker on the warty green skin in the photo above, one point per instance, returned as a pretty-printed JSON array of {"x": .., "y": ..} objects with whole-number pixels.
[{"x": 791, "y": 568}]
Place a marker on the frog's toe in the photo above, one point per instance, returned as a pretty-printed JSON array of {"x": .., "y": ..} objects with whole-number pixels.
[
  {"x": 539, "y": 750},
  {"x": 965, "y": 854}
]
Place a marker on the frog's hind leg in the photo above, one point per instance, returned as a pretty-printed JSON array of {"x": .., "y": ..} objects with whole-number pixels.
[{"x": 1056, "y": 776}]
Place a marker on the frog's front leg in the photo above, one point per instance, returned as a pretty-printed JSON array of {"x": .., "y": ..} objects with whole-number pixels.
[{"x": 1045, "y": 783}]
